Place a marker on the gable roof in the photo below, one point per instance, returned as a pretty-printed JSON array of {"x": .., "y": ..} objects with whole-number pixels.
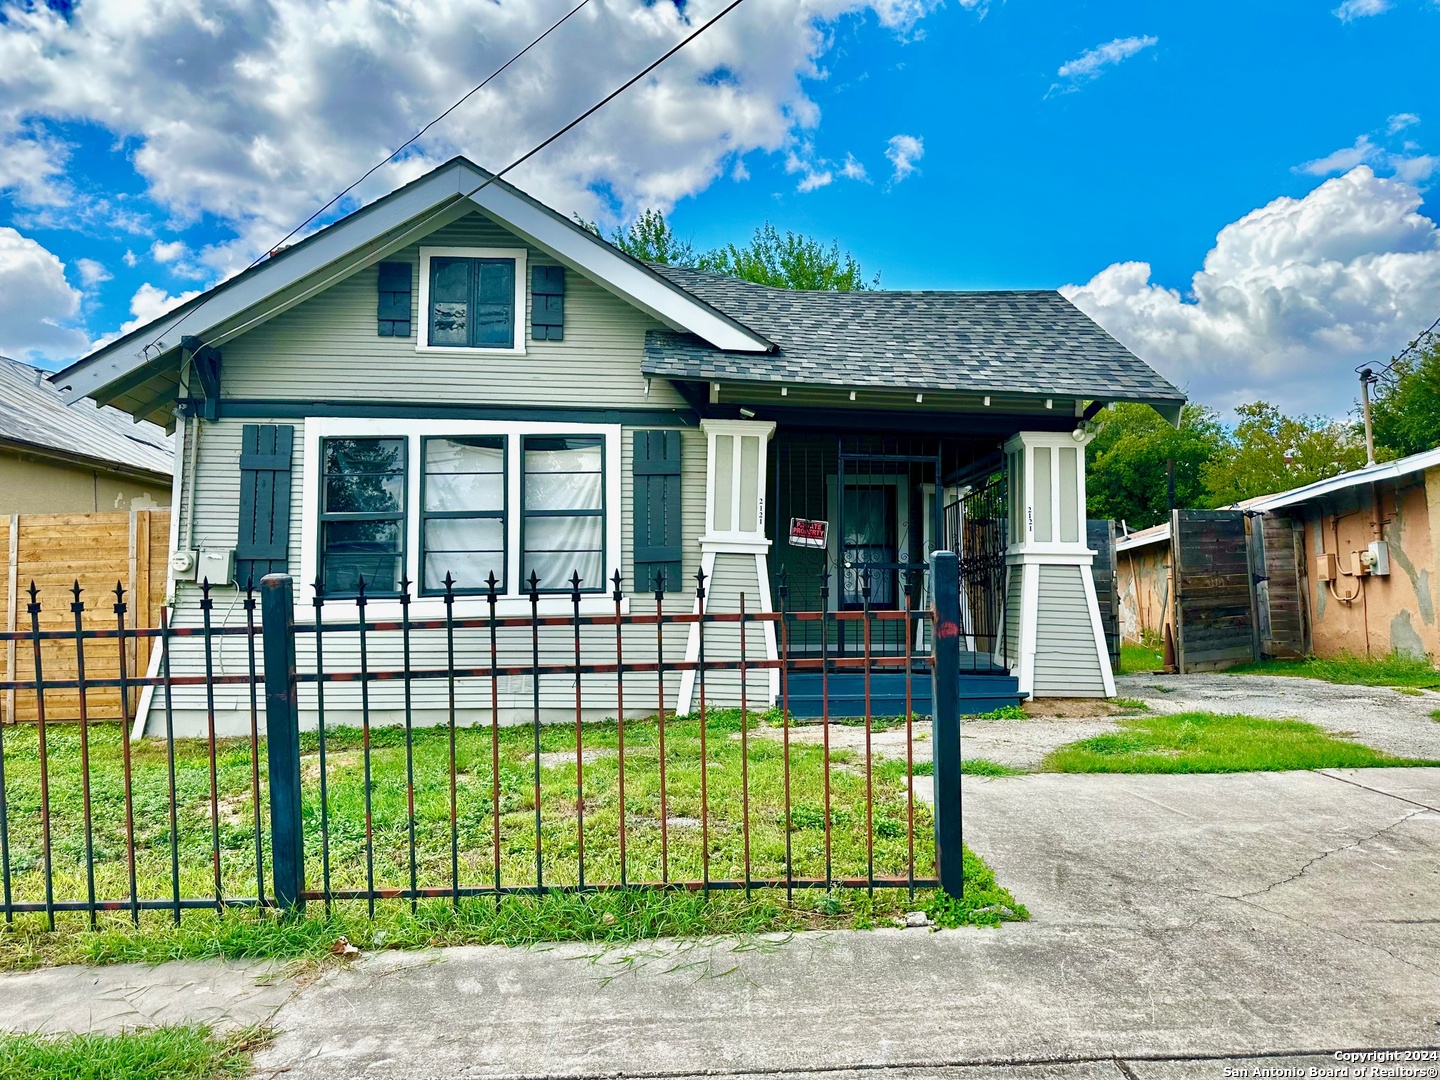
[
  {"x": 1003, "y": 342},
  {"x": 33, "y": 415},
  {"x": 138, "y": 378}
]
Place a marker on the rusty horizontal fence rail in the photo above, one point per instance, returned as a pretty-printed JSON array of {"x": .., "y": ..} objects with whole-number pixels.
[{"x": 411, "y": 788}]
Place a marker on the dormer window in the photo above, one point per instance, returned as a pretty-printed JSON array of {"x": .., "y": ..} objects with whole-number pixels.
[{"x": 472, "y": 298}]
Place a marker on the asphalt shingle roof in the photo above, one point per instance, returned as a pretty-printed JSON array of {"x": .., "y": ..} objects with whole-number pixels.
[
  {"x": 33, "y": 413},
  {"x": 1018, "y": 342}
]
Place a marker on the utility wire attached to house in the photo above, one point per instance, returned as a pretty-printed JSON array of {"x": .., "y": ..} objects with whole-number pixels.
[
  {"x": 275, "y": 248},
  {"x": 523, "y": 157}
]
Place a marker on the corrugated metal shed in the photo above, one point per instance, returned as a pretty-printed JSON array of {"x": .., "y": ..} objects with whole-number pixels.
[{"x": 34, "y": 415}]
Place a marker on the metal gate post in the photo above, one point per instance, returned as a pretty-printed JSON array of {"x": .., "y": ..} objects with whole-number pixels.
[
  {"x": 282, "y": 740},
  {"x": 945, "y": 739}
]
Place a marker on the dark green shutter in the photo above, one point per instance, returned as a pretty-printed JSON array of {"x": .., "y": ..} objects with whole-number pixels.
[
  {"x": 659, "y": 538},
  {"x": 263, "y": 544},
  {"x": 547, "y": 303},
  {"x": 393, "y": 304}
]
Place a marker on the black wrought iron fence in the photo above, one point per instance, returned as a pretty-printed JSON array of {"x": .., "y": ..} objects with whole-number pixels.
[{"x": 373, "y": 771}]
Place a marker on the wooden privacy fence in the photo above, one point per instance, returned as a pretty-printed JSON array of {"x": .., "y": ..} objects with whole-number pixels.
[
  {"x": 98, "y": 550},
  {"x": 1212, "y": 590}
]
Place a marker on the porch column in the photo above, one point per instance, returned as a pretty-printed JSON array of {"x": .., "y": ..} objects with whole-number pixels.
[
  {"x": 1054, "y": 637},
  {"x": 734, "y": 554}
]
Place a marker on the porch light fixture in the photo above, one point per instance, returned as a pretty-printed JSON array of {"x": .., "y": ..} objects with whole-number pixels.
[{"x": 1079, "y": 433}]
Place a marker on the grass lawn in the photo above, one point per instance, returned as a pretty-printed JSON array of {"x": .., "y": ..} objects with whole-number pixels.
[
  {"x": 1199, "y": 742},
  {"x": 617, "y": 915},
  {"x": 167, "y": 1053},
  {"x": 1397, "y": 670},
  {"x": 1136, "y": 657}
]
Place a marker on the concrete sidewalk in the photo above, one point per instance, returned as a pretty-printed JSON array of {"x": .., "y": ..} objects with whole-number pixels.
[{"x": 1179, "y": 921}]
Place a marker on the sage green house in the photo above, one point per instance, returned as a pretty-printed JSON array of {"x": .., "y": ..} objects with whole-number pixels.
[{"x": 457, "y": 381}]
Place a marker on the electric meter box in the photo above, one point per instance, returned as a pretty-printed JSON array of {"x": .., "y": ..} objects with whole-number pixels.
[
  {"x": 216, "y": 565},
  {"x": 1325, "y": 567},
  {"x": 1379, "y": 553}
]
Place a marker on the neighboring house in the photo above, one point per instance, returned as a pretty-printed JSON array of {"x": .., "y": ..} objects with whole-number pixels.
[
  {"x": 1345, "y": 565},
  {"x": 62, "y": 458},
  {"x": 458, "y": 379}
]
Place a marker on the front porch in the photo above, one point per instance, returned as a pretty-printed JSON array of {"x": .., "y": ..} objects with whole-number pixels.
[
  {"x": 833, "y": 523},
  {"x": 842, "y": 538}
]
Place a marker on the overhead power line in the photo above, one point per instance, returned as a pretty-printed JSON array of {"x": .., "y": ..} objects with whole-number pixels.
[
  {"x": 416, "y": 137},
  {"x": 274, "y": 248},
  {"x": 1386, "y": 372},
  {"x": 529, "y": 153}
]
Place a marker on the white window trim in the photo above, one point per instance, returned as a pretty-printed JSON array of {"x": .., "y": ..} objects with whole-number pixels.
[
  {"x": 422, "y": 335},
  {"x": 514, "y": 601}
]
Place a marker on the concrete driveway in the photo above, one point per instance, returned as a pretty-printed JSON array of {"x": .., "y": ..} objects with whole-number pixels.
[{"x": 1182, "y": 925}]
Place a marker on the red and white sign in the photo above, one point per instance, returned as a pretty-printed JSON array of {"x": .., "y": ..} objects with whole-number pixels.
[{"x": 807, "y": 533}]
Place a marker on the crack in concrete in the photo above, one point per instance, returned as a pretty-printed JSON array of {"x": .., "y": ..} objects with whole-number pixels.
[
  {"x": 1377, "y": 791},
  {"x": 1335, "y": 933},
  {"x": 1326, "y": 854},
  {"x": 881, "y": 1068}
]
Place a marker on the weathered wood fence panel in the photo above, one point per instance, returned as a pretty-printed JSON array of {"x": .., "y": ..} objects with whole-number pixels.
[
  {"x": 1277, "y": 547},
  {"x": 1100, "y": 536},
  {"x": 1213, "y": 590},
  {"x": 98, "y": 550}
]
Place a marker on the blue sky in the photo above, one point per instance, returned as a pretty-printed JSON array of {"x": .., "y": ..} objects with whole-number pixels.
[{"x": 148, "y": 151}]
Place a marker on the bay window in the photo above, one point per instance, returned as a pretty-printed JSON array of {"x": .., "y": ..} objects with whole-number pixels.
[{"x": 391, "y": 499}]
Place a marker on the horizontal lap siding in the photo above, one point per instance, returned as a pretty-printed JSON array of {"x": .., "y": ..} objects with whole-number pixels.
[
  {"x": 734, "y": 574},
  {"x": 1066, "y": 663},
  {"x": 327, "y": 347},
  {"x": 1013, "y": 605}
]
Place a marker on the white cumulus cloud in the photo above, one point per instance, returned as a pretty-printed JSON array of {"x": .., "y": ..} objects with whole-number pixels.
[
  {"x": 1291, "y": 297},
  {"x": 92, "y": 273},
  {"x": 256, "y": 111},
  {"x": 904, "y": 151},
  {"x": 37, "y": 305},
  {"x": 1351, "y": 10},
  {"x": 1092, "y": 62}
]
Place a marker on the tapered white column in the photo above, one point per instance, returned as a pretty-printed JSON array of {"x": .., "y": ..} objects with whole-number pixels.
[{"x": 1057, "y": 645}]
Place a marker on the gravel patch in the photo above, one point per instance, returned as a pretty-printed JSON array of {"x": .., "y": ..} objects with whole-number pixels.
[
  {"x": 1023, "y": 744},
  {"x": 1381, "y": 718}
]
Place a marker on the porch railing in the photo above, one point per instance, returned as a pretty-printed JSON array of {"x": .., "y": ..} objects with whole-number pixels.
[{"x": 735, "y": 795}]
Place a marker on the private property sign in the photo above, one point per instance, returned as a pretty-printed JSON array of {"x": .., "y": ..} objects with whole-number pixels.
[{"x": 807, "y": 533}]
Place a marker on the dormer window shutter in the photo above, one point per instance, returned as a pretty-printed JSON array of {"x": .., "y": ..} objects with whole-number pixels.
[
  {"x": 392, "y": 310},
  {"x": 263, "y": 544},
  {"x": 547, "y": 303},
  {"x": 659, "y": 535}
]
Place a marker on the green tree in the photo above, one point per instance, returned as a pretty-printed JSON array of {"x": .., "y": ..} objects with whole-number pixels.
[
  {"x": 649, "y": 238},
  {"x": 1405, "y": 411},
  {"x": 1269, "y": 452},
  {"x": 1126, "y": 476},
  {"x": 788, "y": 261},
  {"x": 791, "y": 261}
]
